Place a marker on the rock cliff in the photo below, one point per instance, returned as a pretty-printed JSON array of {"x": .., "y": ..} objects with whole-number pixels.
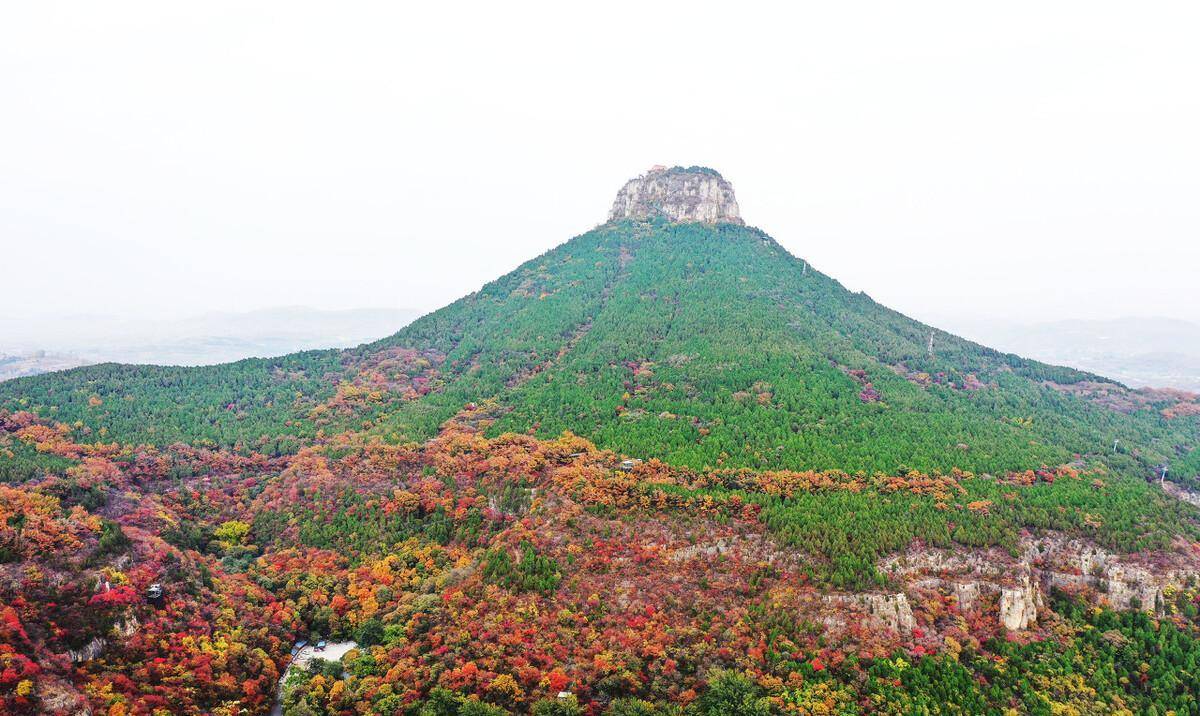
[
  {"x": 978, "y": 579},
  {"x": 890, "y": 611},
  {"x": 1019, "y": 605},
  {"x": 693, "y": 194},
  {"x": 123, "y": 628}
]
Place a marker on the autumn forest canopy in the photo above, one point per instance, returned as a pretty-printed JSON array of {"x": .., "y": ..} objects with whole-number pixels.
[{"x": 664, "y": 468}]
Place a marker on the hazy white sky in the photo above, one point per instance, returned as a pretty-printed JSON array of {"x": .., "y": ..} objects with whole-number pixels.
[{"x": 1034, "y": 160}]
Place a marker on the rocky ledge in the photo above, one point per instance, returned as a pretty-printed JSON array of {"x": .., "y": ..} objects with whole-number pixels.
[
  {"x": 678, "y": 194},
  {"x": 974, "y": 578}
]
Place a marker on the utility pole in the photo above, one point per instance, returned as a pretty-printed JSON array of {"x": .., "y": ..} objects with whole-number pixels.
[
  {"x": 931, "y": 343},
  {"x": 1162, "y": 478},
  {"x": 1115, "y": 441},
  {"x": 804, "y": 271}
]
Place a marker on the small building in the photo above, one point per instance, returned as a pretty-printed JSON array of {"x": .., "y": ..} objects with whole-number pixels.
[
  {"x": 155, "y": 594},
  {"x": 627, "y": 465},
  {"x": 320, "y": 646}
]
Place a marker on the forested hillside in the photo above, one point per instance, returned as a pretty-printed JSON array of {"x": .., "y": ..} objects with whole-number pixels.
[
  {"x": 665, "y": 468},
  {"x": 711, "y": 346},
  {"x": 492, "y": 576},
  {"x": 254, "y": 402},
  {"x": 703, "y": 345}
]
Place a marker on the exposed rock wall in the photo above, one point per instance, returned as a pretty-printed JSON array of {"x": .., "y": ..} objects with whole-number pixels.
[
  {"x": 89, "y": 651},
  {"x": 127, "y": 626},
  {"x": 124, "y": 628},
  {"x": 1123, "y": 584},
  {"x": 1182, "y": 493},
  {"x": 985, "y": 579},
  {"x": 967, "y": 594},
  {"x": 891, "y": 611},
  {"x": 1019, "y": 606},
  {"x": 695, "y": 194}
]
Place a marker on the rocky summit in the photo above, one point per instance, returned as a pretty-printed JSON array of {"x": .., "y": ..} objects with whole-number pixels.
[{"x": 679, "y": 194}]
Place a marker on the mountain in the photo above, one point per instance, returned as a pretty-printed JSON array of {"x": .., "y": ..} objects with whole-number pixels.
[
  {"x": 703, "y": 343},
  {"x": 666, "y": 467}
]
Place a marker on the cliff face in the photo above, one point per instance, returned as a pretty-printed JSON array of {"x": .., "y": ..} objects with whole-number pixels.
[
  {"x": 981, "y": 578},
  {"x": 694, "y": 194},
  {"x": 1019, "y": 606}
]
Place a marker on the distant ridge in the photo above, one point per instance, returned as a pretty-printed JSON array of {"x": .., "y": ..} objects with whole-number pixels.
[{"x": 35, "y": 346}]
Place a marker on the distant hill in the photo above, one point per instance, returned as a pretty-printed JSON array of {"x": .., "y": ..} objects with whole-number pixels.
[
  {"x": 1148, "y": 351},
  {"x": 36, "y": 362},
  {"x": 29, "y": 347}
]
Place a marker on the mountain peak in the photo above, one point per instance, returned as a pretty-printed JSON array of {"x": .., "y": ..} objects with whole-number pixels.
[{"x": 679, "y": 194}]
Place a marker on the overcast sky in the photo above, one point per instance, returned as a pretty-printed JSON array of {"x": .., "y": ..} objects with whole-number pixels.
[{"x": 1028, "y": 160}]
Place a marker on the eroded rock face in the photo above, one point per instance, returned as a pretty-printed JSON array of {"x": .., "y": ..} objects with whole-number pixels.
[
  {"x": 1019, "y": 605},
  {"x": 893, "y": 610},
  {"x": 1014, "y": 586},
  {"x": 124, "y": 628},
  {"x": 89, "y": 651},
  {"x": 967, "y": 594},
  {"x": 752, "y": 546},
  {"x": 694, "y": 194},
  {"x": 889, "y": 610},
  {"x": 1182, "y": 493},
  {"x": 1124, "y": 584}
]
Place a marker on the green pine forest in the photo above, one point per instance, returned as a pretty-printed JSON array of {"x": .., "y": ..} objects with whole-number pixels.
[
  {"x": 706, "y": 346},
  {"x": 727, "y": 365}
]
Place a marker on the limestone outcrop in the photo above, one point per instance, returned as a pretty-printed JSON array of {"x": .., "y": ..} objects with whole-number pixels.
[
  {"x": 1019, "y": 605},
  {"x": 88, "y": 651},
  {"x": 123, "y": 628},
  {"x": 991, "y": 579},
  {"x": 678, "y": 194},
  {"x": 891, "y": 611}
]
